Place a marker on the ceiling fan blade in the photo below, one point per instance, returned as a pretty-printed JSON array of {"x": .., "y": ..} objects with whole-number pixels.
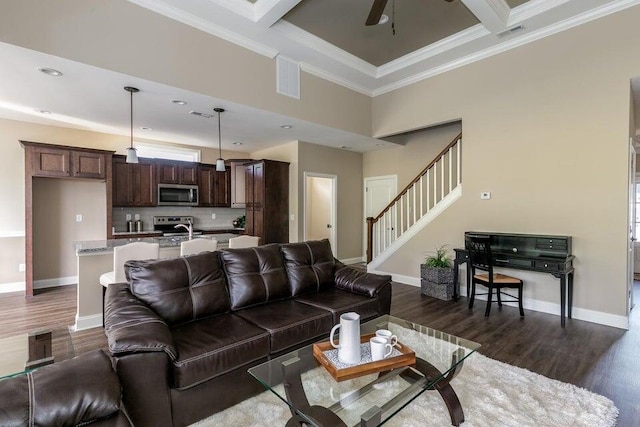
[{"x": 376, "y": 12}]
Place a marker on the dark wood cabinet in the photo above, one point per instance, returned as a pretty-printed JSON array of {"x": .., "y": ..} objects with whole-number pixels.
[
  {"x": 215, "y": 188},
  {"x": 87, "y": 164},
  {"x": 61, "y": 161},
  {"x": 267, "y": 201},
  {"x": 177, "y": 173},
  {"x": 134, "y": 184}
]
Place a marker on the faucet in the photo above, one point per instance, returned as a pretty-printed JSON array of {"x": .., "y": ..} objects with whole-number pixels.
[{"x": 189, "y": 228}]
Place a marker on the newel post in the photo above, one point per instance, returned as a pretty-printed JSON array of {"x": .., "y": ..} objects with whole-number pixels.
[{"x": 370, "y": 221}]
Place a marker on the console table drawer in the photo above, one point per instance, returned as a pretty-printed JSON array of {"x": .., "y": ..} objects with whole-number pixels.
[
  {"x": 553, "y": 244},
  {"x": 512, "y": 262},
  {"x": 548, "y": 265}
]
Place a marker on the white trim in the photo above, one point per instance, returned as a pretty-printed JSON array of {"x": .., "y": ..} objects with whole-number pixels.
[
  {"x": 333, "y": 78},
  {"x": 12, "y": 287},
  {"x": 510, "y": 44},
  {"x": 268, "y": 12},
  {"x": 407, "y": 280},
  {"x": 334, "y": 207},
  {"x": 433, "y": 213},
  {"x": 55, "y": 282},
  {"x": 493, "y": 14},
  {"x": 88, "y": 322},
  {"x": 532, "y": 8},
  {"x": 208, "y": 27},
  {"x": 348, "y": 261},
  {"x": 16, "y": 233},
  {"x": 364, "y": 205}
]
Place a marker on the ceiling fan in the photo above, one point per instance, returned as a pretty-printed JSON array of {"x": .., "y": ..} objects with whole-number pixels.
[{"x": 377, "y": 9}]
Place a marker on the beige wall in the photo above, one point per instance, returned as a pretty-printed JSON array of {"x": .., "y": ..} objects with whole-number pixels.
[
  {"x": 546, "y": 131},
  {"x": 347, "y": 165},
  {"x": 153, "y": 47},
  {"x": 53, "y": 199}
]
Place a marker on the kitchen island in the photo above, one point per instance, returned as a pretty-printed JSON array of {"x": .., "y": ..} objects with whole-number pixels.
[{"x": 95, "y": 257}]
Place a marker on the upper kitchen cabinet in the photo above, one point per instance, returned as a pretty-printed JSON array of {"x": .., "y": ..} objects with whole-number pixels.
[
  {"x": 177, "y": 173},
  {"x": 215, "y": 188},
  {"x": 238, "y": 190},
  {"x": 57, "y": 161},
  {"x": 134, "y": 184},
  {"x": 267, "y": 200}
]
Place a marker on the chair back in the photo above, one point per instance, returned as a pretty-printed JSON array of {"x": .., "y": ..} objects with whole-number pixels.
[
  {"x": 196, "y": 246},
  {"x": 132, "y": 251},
  {"x": 479, "y": 249},
  {"x": 243, "y": 242}
]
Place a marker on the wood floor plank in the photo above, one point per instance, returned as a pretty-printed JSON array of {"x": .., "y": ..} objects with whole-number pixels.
[{"x": 599, "y": 358}]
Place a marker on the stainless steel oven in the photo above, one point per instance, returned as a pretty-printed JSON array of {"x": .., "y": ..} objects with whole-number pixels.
[{"x": 177, "y": 195}]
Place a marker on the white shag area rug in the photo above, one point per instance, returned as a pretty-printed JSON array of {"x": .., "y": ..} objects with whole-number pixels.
[{"x": 492, "y": 394}]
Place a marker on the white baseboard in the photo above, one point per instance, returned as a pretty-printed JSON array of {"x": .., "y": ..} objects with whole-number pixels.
[
  {"x": 12, "y": 287},
  {"x": 348, "y": 261},
  {"x": 577, "y": 313},
  {"x": 52, "y": 283},
  {"x": 88, "y": 322}
]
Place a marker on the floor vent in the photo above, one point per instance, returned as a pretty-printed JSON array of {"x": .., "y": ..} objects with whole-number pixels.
[{"x": 288, "y": 77}]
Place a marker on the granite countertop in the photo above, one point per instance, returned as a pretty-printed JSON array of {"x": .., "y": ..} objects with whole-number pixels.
[{"x": 88, "y": 247}]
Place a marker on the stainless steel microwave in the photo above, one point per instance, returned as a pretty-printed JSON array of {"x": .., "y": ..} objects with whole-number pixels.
[{"x": 177, "y": 195}]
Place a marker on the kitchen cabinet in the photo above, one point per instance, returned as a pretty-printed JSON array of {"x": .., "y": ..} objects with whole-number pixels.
[
  {"x": 238, "y": 190},
  {"x": 267, "y": 200},
  {"x": 134, "y": 184},
  {"x": 215, "y": 189},
  {"x": 66, "y": 162},
  {"x": 177, "y": 173}
]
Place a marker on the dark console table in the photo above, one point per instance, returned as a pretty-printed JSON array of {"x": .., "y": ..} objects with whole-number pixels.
[{"x": 533, "y": 252}]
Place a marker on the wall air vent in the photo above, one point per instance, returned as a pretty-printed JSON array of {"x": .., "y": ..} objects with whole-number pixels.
[
  {"x": 197, "y": 113},
  {"x": 509, "y": 31},
  {"x": 287, "y": 77}
]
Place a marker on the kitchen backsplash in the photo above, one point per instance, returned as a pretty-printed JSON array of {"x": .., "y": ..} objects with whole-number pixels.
[{"x": 201, "y": 216}]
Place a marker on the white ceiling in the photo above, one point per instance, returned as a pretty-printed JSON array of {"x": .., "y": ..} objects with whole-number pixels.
[{"x": 90, "y": 98}]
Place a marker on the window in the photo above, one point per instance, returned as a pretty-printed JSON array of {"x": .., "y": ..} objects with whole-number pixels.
[{"x": 166, "y": 152}]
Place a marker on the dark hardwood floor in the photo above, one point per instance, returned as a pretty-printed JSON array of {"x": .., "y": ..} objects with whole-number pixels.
[{"x": 596, "y": 357}]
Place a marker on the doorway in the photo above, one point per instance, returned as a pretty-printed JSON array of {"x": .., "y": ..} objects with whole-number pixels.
[
  {"x": 379, "y": 191},
  {"x": 320, "y": 203}
]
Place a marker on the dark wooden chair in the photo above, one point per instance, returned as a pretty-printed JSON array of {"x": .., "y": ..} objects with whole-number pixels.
[{"x": 480, "y": 259}]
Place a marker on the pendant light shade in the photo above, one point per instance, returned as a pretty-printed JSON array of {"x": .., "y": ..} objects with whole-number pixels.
[
  {"x": 220, "y": 161},
  {"x": 132, "y": 155}
]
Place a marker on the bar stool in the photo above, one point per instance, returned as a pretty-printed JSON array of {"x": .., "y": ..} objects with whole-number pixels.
[
  {"x": 243, "y": 242},
  {"x": 196, "y": 246}
]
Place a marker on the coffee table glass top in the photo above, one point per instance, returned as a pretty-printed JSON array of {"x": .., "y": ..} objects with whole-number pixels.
[
  {"x": 391, "y": 391},
  {"x": 24, "y": 352}
]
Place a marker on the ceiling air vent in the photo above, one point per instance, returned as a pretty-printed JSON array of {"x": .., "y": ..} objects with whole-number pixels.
[
  {"x": 510, "y": 31},
  {"x": 287, "y": 77},
  {"x": 197, "y": 113}
]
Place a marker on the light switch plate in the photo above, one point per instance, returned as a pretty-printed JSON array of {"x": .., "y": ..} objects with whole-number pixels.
[
  {"x": 128, "y": 217},
  {"x": 213, "y": 216},
  {"x": 485, "y": 195},
  {"x": 78, "y": 218},
  {"x": 292, "y": 217},
  {"x": 136, "y": 217}
]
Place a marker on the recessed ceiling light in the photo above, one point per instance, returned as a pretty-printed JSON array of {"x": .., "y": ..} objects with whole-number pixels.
[
  {"x": 43, "y": 111},
  {"x": 178, "y": 102},
  {"x": 237, "y": 143},
  {"x": 50, "y": 72},
  {"x": 145, "y": 128},
  {"x": 344, "y": 147},
  {"x": 198, "y": 113},
  {"x": 286, "y": 127}
]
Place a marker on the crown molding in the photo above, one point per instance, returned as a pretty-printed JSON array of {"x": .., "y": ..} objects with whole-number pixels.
[
  {"x": 493, "y": 14},
  {"x": 583, "y": 18},
  {"x": 333, "y": 78},
  {"x": 206, "y": 26},
  {"x": 532, "y": 8}
]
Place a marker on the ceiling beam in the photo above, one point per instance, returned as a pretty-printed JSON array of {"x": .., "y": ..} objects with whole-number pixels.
[
  {"x": 268, "y": 12},
  {"x": 493, "y": 14}
]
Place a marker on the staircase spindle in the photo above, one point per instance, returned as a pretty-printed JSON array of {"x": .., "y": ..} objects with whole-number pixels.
[
  {"x": 450, "y": 169},
  {"x": 458, "y": 162}
]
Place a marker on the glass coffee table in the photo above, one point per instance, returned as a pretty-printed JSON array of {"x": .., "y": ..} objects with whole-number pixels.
[
  {"x": 315, "y": 398},
  {"x": 24, "y": 352}
]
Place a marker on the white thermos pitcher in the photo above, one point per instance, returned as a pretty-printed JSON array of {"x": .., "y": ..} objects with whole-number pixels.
[{"x": 349, "y": 347}]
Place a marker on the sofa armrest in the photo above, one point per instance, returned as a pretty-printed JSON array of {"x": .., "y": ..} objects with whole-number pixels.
[
  {"x": 359, "y": 282},
  {"x": 132, "y": 327}
]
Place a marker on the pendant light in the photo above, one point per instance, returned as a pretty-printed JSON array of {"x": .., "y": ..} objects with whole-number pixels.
[
  {"x": 132, "y": 155},
  {"x": 220, "y": 161}
]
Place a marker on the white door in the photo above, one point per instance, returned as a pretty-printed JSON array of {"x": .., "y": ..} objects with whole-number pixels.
[
  {"x": 632, "y": 223},
  {"x": 379, "y": 191},
  {"x": 320, "y": 207}
]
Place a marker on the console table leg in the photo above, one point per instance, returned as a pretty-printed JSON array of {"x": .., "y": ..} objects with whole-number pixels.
[
  {"x": 570, "y": 295},
  {"x": 563, "y": 298},
  {"x": 371, "y": 418}
]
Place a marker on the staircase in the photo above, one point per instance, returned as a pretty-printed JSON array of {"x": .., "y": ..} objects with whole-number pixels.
[{"x": 426, "y": 196}]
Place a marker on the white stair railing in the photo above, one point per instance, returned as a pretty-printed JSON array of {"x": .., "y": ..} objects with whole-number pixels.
[{"x": 438, "y": 180}]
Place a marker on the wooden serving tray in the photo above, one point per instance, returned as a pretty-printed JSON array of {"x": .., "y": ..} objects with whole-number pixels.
[{"x": 408, "y": 357}]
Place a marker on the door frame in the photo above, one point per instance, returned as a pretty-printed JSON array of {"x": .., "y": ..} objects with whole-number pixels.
[
  {"x": 333, "y": 235},
  {"x": 631, "y": 256},
  {"x": 364, "y": 206}
]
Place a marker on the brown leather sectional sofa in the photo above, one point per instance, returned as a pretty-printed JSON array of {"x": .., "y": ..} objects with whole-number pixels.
[{"x": 184, "y": 331}]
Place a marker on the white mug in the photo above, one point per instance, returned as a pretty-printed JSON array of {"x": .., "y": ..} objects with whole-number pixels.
[
  {"x": 388, "y": 336},
  {"x": 349, "y": 347},
  {"x": 379, "y": 348}
]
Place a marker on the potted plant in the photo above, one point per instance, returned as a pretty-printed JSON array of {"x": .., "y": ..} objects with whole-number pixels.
[
  {"x": 239, "y": 222},
  {"x": 436, "y": 274}
]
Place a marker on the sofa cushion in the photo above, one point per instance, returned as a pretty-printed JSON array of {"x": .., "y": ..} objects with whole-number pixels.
[
  {"x": 213, "y": 346},
  {"x": 180, "y": 289},
  {"x": 255, "y": 275},
  {"x": 338, "y": 302},
  {"x": 309, "y": 266},
  {"x": 289, "y": 322}
]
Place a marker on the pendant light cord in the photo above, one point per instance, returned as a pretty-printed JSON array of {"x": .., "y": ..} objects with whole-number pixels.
[
  {"x": 219, "y": 137},
  {"x": 131, "y": 133}
]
